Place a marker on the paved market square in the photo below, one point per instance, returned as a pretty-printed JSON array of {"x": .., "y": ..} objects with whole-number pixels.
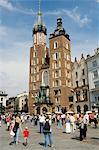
[{"x": 61, "y": 140}]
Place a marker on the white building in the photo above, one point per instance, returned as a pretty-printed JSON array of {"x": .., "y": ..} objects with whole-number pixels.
[
  {"x": 80, "y": 85},
  {"x": 93, "y": 77},
  {"x": 22, "y": 101},
  {"x": 3, "y": 98}
]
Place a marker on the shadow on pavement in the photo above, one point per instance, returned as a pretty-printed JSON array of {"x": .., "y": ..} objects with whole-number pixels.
[
  {"x": 76, "y": 138},
  {"x": 41, "y": 143},
  {"x": 95, "y": 138}
]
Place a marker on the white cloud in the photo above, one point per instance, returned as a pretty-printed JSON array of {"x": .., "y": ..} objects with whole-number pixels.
[
  {"x": 14, "y": 79},
  {"x": 97, "y": 1},
  {"x": 14, "y": 60},
  {"x": 7, "y": 5},
  {"x": 73, "y": 14}
]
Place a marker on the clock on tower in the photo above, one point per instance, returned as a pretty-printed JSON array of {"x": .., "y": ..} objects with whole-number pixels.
[{"x": 41, "y": 38}]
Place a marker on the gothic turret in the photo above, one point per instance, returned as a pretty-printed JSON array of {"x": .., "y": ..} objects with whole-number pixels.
[{"x": 59, "y": 30}]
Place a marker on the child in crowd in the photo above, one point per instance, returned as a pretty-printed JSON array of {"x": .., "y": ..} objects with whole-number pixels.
[{"x": 25, "y": 134}]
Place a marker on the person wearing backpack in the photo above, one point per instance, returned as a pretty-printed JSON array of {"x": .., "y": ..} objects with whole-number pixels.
[{"x": 47, "y": 130}]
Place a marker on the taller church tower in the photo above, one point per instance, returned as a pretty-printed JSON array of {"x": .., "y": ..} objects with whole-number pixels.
[{"x": 39, "y": 68}]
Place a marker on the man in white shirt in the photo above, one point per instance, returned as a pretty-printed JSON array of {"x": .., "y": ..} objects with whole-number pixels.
[{"x": 41, "y": 121}]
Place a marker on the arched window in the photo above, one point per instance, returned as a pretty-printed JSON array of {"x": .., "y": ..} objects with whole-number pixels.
[
  {"x": 85, "y": 108},
  {"x": 44, "y": 109},
  {"x": 55, "y": 44},
  {"x": 78, "y": 109},
  {"x": 45, "y": 78}
]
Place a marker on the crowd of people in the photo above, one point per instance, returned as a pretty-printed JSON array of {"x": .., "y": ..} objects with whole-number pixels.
[{"x": 69, "y": 123}]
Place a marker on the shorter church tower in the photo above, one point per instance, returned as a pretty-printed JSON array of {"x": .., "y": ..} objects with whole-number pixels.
[{"x": 60, "y": 68}]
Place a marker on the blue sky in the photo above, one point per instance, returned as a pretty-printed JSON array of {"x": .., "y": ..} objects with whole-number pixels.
[{"x": 17, "y": 18}]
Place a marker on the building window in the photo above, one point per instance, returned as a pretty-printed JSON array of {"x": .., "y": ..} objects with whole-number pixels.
[
  {"x": 76, "y": 74},
  {"x": 34, "y": 54},
  {"x": 67, "y": 46},
  {"x": 95, "y": 74},
  {"x": 84, "y": 82},
  {"x": 57, "y": 55},
  {"x": 96, "y": 84},
  {"x": 46, "y": 78},
  {"x": 76, "y": 83},
  {"x": 57, "y": 74},
  {"x": 59, "y": 91},
  {"x": 83, "y": 72},
  {"x": 56, "y": 65},
  {"x": 56, "y": 92},
  {"x": 1, "y": 99},
  {"x": 55, "y": 45},
  {"x": 57, "y": 83},
  {"x": 78, "y": 96},
  {"x": 94, "y": 63}
]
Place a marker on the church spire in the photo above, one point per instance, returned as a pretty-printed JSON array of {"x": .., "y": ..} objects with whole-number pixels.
[
  {"x": 39, "y": 27},
  {"x": 39, "y": 15}
]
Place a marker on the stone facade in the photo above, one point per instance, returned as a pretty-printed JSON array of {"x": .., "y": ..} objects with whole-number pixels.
[
  {"x": 21, "y": 102},
  {"x": 80, "y": 85},
  {"x": 3, "y": 99},
  {"x": 93, "y": 78}
]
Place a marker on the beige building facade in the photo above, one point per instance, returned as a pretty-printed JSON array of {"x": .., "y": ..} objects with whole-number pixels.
[{"x": 80, "y": 85}]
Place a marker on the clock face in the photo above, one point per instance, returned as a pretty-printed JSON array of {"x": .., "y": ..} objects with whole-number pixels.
[{"x": 41, "y": 38}]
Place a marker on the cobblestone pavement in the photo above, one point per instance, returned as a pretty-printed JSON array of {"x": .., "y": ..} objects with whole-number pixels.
[{"x": 61, "y": 141}]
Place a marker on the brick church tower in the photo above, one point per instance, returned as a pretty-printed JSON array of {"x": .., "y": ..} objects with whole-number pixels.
[
  {"x": 60, "y": 68},
  {"x": 39, "y": 69},
  {"x": 49, "y": 73}
]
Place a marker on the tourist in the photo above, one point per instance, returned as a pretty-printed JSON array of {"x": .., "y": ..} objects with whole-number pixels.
[
  {"x": 47, "y": 130},
  {"x": 25, "y": 134},
  {"x": 0, "y": 120},
  {"x": 68, "y": 128},
  {"x": 72, "y": 121},
  {"x": 41, "y": 122}
]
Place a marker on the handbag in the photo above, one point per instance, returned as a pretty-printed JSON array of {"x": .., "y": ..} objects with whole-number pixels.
[{"x": 12, "y": 133}]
